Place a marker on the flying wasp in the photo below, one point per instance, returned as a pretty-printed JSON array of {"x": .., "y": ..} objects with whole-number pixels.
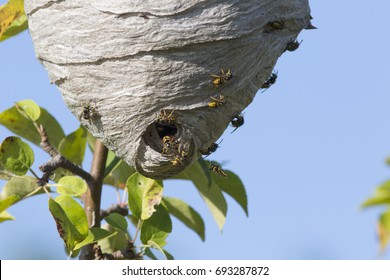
[
  {"x": 292, "y": 46},
  {"x": 88, "y": 111},
  {"x": 237, "y": 121},
  {"x": 216, "y": 169},
  {"x": 216, "y": 102},
  {"x": 219, "y": 80},
  {"x": 270, "y": 81},
  {"x": 211, "y": 149}
]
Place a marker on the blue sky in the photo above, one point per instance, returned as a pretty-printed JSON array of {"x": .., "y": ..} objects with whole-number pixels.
[{"x": 311, "y": 151}]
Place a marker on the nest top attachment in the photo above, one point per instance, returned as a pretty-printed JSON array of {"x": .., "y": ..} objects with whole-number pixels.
[{"x": 159, "y": 83}]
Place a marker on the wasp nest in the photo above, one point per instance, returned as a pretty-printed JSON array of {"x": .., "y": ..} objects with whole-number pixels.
[{"x": 159, "y": 81}]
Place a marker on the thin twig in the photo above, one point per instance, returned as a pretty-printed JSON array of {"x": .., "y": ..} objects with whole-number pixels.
[{"x": 57, "y": 161}]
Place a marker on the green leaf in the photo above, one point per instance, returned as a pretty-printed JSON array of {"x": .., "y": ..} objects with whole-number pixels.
[
  {"x": 133, "y": 220},
  {"x": 16, "y": 156},
  {"x": 29, "y": 109},
  {"x": 212, "y": 195},
  {"x": 5, "y": 216},
  {"x": 380, "y": 197},
  {"x": 111, "y": 162},
  {"x": 7, "y": 202},
  {"x": 119, "y": 174},
  {"x": 60, "y": 173},
  {"x": 17, "y": 123},
  {"x": 72, "y": 254},
  {"x": 118, "y": 241},
  {"x": 72, "y": 224},
  {"x": 185, "y": 213},
  {"x": 233, "y": 186},
  {"x": 53, "y": 128},
  {"x": 117, "y": 171},
  {"x": 91, "y": 143},
  {"x": 374, "y": 201},
  {"x": 18, "y": 25},
  {"x": 150, "y": 254},
  {"x": 206, "y": 171},
  {"x": 20, "y": 186},
  {"x": 73, "y": 146},
  {"x": 168, "y": 255},
  {"x": 144, "y": 195},
  {"x": 157, "y": 228},
  {"x": 4, "y": 174},
  {"x": 94, "y": 235},
  {"x": 9, "y": 13},
  {"x": 71, "y": 185},
  {"x": 154, "y": 245},
  {"x": 117, "y": 221},
  {"x": 384, "y": 229}
]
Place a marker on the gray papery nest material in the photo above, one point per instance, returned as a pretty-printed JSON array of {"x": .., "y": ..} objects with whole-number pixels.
[{"x": 137, "y": 73}]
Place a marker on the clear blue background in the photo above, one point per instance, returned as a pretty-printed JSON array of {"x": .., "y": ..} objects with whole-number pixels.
[{"x": 311, "y": 151}]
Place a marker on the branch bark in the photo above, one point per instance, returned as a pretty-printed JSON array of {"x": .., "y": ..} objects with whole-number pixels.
[
  {"x": 57, "y": 161},
  {"x": 94, "y": 193}
]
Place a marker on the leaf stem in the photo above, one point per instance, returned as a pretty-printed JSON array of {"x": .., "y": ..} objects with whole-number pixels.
[
  {"x": 139, "y": 225},
  {"x": 33, "y": 173}
]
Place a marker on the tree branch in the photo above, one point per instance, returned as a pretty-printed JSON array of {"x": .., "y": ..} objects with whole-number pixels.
[
  {"x": 57, "y": 161},
  {"x": 94, "y": 181},
  {"x": 94, "y": 193}
]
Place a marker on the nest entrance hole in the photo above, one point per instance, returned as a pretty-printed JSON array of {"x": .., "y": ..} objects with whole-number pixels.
[
  {"x": 165, "y": 129},
  {"x": 156, "y": 132}
]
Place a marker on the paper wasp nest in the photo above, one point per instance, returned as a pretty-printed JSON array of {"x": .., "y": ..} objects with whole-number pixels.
[{"x": 138, "y": 72}]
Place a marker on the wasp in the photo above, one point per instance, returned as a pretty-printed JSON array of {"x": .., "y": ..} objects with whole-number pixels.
[
  {"x": 216, "y": 102},
  {"x": 270, "y": 81},
  {"x": 177, "y": 160},
  {"x": 182, "y": 153},
  {"x": 237, "y": 121},
  {"x": 219, "y": 80},
  {"x": 292, "y": 46},
  {"x": 211, "y": 149},
  {"x": 169, "y": 144},
  {"x": 216, "y": 169},
  {"x": 166, "y": 117},
  {"x": 276, "y": 25},
  {"x": 88, "y": 111}
]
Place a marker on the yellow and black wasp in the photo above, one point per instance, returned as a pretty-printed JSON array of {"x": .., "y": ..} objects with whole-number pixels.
[
  {"x": 88, "y": 112},
  {"x": 270, "y": 81},
  {"x": 211, "y": 149},
  {"x": 216, "y": 102},
  {"x": 166, "y": 117},
  {"x": 274, "y": 25},
  {"x": 216, "y": 169},
  {"x": 177, "y": 160},
  {"x": 169, "y": 145},
  {"x": 292, "y": 46},
  {"x": 224, "y": 77},
  {"x": 237, "y": 121}
]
